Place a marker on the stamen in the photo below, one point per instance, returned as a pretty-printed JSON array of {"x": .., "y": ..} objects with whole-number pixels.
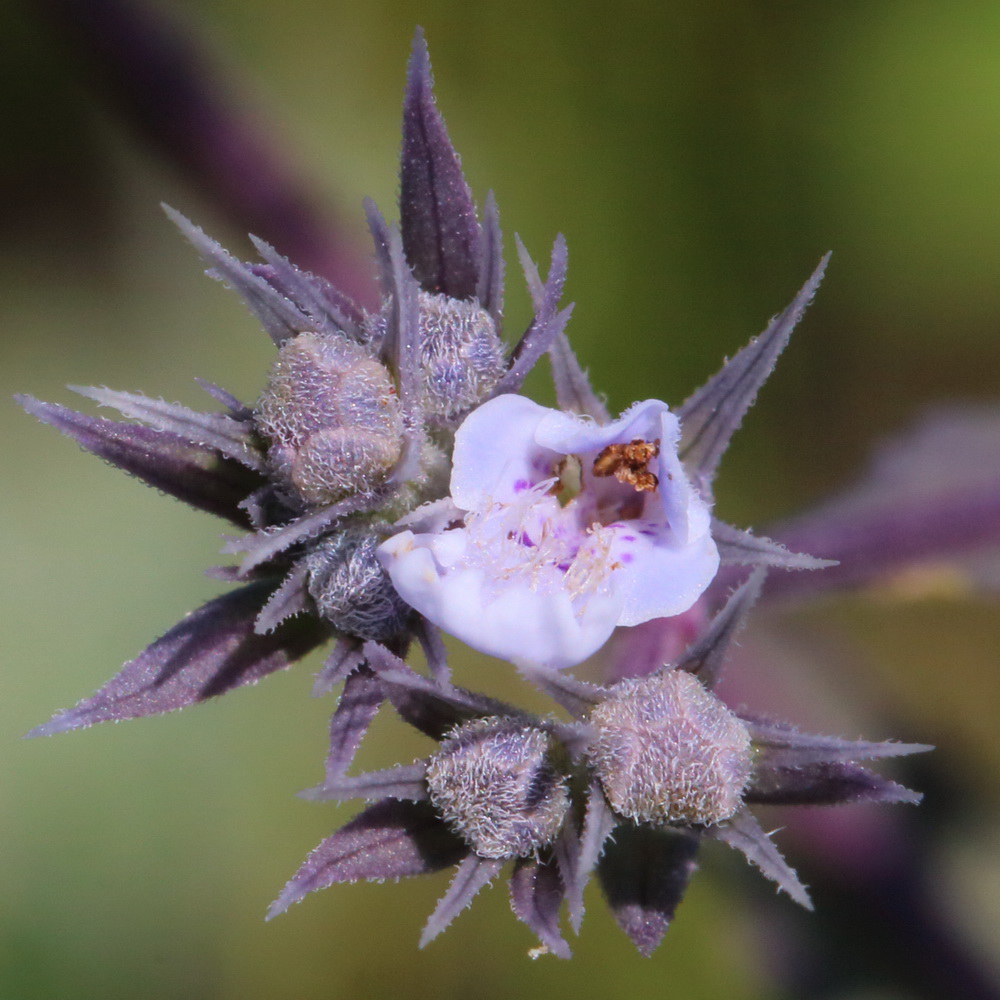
[{"x": 629, "y": 463}]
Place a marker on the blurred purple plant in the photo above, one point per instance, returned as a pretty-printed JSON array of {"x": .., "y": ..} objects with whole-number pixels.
[{"x": 346, "y": 459}]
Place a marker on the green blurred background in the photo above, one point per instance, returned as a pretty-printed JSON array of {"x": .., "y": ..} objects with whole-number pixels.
[{"x": 699, "y": 160}]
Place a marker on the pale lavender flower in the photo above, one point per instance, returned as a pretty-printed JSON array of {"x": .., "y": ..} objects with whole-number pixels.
[{"x": 569, "y": 529}]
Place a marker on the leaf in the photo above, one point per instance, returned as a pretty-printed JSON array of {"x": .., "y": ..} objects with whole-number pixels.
[
  {"x": 211, "y": 651},
  {"x": 743, "y": 548},
  {"x": 232, "y": 438},
  {"x": 388, "y": 840},
  {"x": 358, "y": 704},
  {"x": 198, "y": 475},
  {"x": 778, "y": 781},
  {"x": 489, "y": 291},
  {"x": 644, "y": 874},
  {"x": 441, "y": 236},
  {"x": 401, "y": 782},
  {"x": 573, "y": 389}
]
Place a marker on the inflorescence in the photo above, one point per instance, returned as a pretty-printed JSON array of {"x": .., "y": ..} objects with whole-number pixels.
[{"x": 393, "y": 484}]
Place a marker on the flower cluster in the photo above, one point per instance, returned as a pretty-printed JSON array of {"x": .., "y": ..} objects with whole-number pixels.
[{"x": 394, "y": 485}]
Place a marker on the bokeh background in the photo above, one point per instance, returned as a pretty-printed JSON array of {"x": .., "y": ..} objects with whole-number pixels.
[{"x": 699, "y": 160}]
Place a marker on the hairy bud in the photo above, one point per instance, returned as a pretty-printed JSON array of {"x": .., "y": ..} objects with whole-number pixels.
[
  {"x": 461, "y": 355},
  {"x": 351, "y": 589},
  {"x": 494, "y": 782},
  {"x": 331, "y": 416},
  {"x": 669, "y": 751}
]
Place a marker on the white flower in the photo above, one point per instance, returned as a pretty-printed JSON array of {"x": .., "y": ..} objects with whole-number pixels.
[{"x": 569, "y": 530}]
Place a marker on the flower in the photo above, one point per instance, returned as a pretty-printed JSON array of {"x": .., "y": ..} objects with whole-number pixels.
[
  {"x": 391, "y": 482},
  {"x": 569, "y": 529}
]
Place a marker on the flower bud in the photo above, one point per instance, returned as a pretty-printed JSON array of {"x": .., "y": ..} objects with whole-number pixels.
[
  {"x": 461, "y": 355},
  {"x": 332, "y": 418},
  {"x": 669, "y": 751},
  {"x": 351, "y": 589},
  {"x": 494, "y": 782}
]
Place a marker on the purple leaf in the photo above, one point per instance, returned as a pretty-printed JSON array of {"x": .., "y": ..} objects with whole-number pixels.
[
  {"x": 401, "y": 782},
  {"x": 744, "y": 833},
  {"x": 573, "y": 389},
  {"x": 743, "y": 548},
  {"x": 644, "y": 874},
  {"x": 711, "y": 416},
  {"x": 429, "y": 637},
  {"x": 706, "y": 656},
  {"x": 211, "y": 651},
  {"x": 193, "y": 473},
  {"x": 388, "y": 840},
  {"x": 578, "y": 857},
  {"x": 441, "y": 236},
  {"x": 473, "y": 873},
  {"x": 489, "y": 291},
  {"x": 279, "y": 316},
  {"x": 781, "y": 782},
  {"x": 358, "y": 704},
  {"x": 232, "y": 438},
  {"x": 536, "y": 893}
]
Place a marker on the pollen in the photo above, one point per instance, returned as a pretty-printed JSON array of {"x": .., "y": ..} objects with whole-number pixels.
[{"x": 629, "y": 463}]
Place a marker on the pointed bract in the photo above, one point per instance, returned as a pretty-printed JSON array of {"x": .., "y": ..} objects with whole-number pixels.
[
  {"x": 828, "y": 783},
  {"x": 573, "y": 389},
  {"x": 644, "y": 874},
  {"x": 358, "y": 705},
  {"x": 345, "y": 658},
  {"x": 196, "y": 474},
  {"x": 706, "y": 656},
  {"x": 744, "y": 833},
  {"x": 289, "y": 599},
  {"x": 536, "y": 894},
  {"x": 473, "y": 874},
  {"x": 746, "y": 549},
  {"x": 403, "y": 782},
  {"x": 279, "y": 316},
  {"x": 711, "y": 416},
  {"x": 547, "y": 324},
  {"x": 388, "y": 840},
  {"x": 211, "y": 651},
  {"x": 578, "y": 865},
  {"x": 489, "y": 291},
  {"x": 437, "y": 214}
]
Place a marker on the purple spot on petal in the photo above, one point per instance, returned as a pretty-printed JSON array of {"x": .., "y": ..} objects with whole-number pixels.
[
  {"x": 628, "y": 538},
  {"x": 627, "y": 557},
  {"x": 521, "y": 485},
  {"x": 648, "y": 532}
]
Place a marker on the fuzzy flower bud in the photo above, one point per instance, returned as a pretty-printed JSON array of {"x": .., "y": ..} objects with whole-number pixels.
[
  {"x": 494, "y": 782},
  {"x": 461, "y": 355},
  {"x": 351, "y": 589},
  {"x": 669, "y": 751},
  {"x": 331, "y": 416}
]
